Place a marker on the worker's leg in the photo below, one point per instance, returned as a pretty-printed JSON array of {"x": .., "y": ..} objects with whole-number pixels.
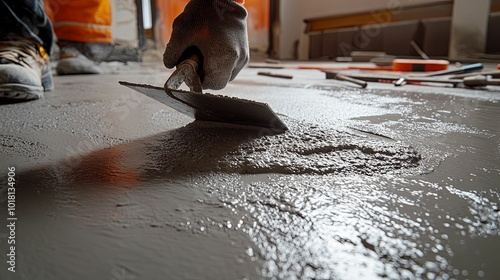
[
  {"x": 83, "y": 30},
  {"x": 27, "y": 19},
  {"x": 87, "y": 21},
  {"x": 26, "y": 39}
]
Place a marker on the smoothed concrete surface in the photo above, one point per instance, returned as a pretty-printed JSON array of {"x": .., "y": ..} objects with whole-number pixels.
[{"x": 376, "y": 183}]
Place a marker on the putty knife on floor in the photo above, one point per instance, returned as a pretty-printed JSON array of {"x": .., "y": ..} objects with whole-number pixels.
[{"x": 206, "y": 106}]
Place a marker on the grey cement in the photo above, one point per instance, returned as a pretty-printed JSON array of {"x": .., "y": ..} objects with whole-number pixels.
[{"x": 376, "y": 183}]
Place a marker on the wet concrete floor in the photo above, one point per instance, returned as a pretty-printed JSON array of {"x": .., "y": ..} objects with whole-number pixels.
[{"x": 376, "y": 183}]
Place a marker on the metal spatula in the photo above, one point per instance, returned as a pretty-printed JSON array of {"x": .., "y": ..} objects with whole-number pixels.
[{"x": 206, "y": 106}]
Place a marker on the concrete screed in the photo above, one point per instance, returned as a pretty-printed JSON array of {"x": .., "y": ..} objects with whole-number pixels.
[{"x": 376, "y": 183}]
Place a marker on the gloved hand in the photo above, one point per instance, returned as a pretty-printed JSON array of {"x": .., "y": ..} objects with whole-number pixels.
[{"x": 218, "y": 29}]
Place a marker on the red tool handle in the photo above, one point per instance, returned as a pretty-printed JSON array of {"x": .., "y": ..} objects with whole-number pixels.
[{"x": 419, "y": 65}]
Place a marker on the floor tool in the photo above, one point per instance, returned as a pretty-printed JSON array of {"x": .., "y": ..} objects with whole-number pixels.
[
  {"x": 403, "y": 81},
  {"x": 206, "y": 106},
  {"x": 463, "y": 69},
  {"x": 397, "y": 80},
  {"x": 340, "y": 77},
  {"x": 419, "y": 65},
  {"x": 470, "y": 82},
  {"x": 492, "y": 74},
  {"x": 480, "y": 81},
  {"x": 275, "y": 75}
]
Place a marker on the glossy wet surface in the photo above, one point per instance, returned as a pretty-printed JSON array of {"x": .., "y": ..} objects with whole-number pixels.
[{"x": 367, "y": 184}]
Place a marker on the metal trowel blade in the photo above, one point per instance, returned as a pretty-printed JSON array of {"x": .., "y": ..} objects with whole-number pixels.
[{"x": 214, "y": 108}]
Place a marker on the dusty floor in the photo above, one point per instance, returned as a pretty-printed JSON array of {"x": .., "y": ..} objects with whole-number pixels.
[{"x": 376, "y": 183}]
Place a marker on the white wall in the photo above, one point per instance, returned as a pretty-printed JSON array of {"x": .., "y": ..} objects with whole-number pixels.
[
  {"x": 290, "y": 27},
  {"x": 124, "y": 22},
  {"x": 293, "y": 13}
]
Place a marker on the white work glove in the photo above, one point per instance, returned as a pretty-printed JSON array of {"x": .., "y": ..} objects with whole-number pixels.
[{"x": 218, "y": 29}]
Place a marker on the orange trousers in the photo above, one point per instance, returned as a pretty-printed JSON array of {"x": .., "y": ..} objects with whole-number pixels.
[{"x": 87, "y": 21}]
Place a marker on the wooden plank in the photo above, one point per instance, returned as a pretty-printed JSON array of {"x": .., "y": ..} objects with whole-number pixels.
[
  {"x": 346, "y": 21},
  {"x": 431, "y": 10}
]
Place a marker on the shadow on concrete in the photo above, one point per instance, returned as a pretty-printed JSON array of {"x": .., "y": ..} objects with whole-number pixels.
[
  {"x": 195, "y": 148},
  {"x": 7, "y": 101}
]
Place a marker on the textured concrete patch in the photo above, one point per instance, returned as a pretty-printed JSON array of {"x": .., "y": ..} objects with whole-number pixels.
[
  {"x": 17, "y": 146},
  {"x": 308, "y": 149}
]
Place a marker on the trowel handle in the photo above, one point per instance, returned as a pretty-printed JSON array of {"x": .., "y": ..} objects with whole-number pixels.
[
  {"x": 193, "y": 54},
  {"x": 188, "y": 71},
  {"x": 194, "y": 57}
]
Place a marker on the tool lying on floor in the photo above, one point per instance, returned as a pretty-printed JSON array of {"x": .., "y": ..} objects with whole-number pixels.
[
  {"x": 403, "y": 81},
  {"x": 274, "y": 75},
  {"x": 480, "y": 81},
  {"x": 419, "y": 65},
  {"x": 471, "y": 82},
  {"x": 463, "y": 69},
  {"x": 492, "y": 74},
  {"x": 206, "y": 106},
  {"x": 340, "y": 77}
]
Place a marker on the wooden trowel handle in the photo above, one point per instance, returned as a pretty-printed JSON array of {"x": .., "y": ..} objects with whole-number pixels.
[
  {"x": 189, "y": 70},
  {"x": 194, "y": 54}
]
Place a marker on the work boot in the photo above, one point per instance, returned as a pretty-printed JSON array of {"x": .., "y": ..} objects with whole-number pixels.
[
  {"x": 104, "y": 51},
  {"x": 97, "y": 52},
  {"x": 25, "y": 71},
  {"x": 73, "y": 62}
]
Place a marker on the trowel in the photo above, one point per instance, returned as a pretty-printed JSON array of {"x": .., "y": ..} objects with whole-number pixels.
[{"x": 206, "y": 106}]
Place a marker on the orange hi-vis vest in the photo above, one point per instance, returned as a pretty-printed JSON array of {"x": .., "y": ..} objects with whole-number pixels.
[{"x": 86, "y": 21}]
